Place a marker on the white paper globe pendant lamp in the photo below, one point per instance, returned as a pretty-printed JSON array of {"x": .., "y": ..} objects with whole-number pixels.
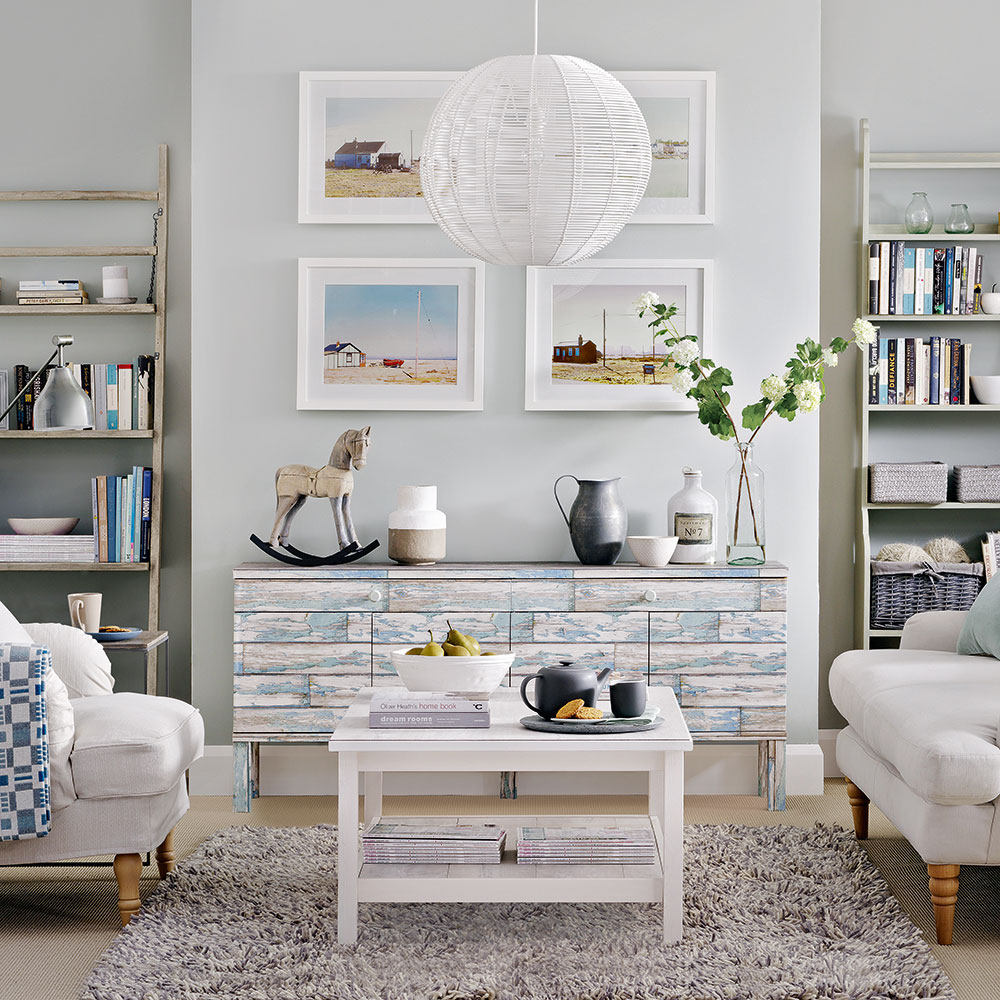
[{"x": 535, "y": 159}]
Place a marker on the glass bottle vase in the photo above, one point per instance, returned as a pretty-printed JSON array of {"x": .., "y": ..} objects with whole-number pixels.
[
  {"x": 745, "y": 510},
  {"x": 919, "y": 217},
  {"x": 959, "y": 221}
]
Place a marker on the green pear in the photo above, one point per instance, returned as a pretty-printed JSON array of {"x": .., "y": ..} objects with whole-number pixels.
[
  {"x": 486, "y": 652},
  {"x": 432, "y": 648},
  {"x": 454, "y": 649},
  {"x": 457, "y": 638},
  {"x": 416, "y": 651}
]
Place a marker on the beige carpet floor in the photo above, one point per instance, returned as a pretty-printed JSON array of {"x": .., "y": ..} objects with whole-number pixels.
[{"x": 56, "y": 922}]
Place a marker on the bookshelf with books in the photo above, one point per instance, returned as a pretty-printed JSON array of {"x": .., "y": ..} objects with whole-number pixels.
[
  {"x": 126, "y": 385},
  {"x": 915, "y": 288}
]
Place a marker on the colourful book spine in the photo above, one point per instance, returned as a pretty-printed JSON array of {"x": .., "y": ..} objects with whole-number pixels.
[
  {"x": 909, "y": 279},
  {"x": 924, "y": 357},
  {"x": 919, "y": 274},
  {"x": 883, "y": 371},
  {"x": 955, "y": 377},
  {"x": 978, "y": 289},
  {"x": 966, "y": 372},
  {"x": 935, "y": 395},
  {"x": 147, "y": 506},
  {"x": 910, "y": 372},
  {"x": 102, "y": 516},
  {"x": 873, "y": 374},
  {"x": 963, "y": 287},
  {"x": 893, "y": 275},
  {"x": 873, "y": 269},
  {"x": 95, "y": 519},
  {"x": 970, "y": 282},
  {"x": 892, "y": 368},
  {"x": 884, "y": 270},
  {"x": 956, "y": 285},
  {"x": 940, "y": 256},
  {"x": 112, "y": 397},
  {"x": 928, "y": 281},
  {"x": 112, "y": 519},
  {"x": 125, "y": 397},
  {"x": 949, "y": 279}
]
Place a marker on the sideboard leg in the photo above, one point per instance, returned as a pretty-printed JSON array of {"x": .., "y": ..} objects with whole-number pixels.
[
  {"x": 254, "y": 765},
  {"x": 241, "y": 776},
  {"x": 771, "y": 772}
]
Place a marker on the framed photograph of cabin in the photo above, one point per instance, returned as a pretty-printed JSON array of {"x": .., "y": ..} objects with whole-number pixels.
[
  {"x": 679, "y": 109},
  {"x": 586, "y": 347},
  {"x": 390, "y": 334},
  {"x": 360, "y": 139}
]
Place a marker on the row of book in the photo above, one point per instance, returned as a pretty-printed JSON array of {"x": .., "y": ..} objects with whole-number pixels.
[
  {"x": 923, "y": 281},
  {"x": 47, "y": 548},
  {"x": 991, "y": 554},
  {"x": 907, "y": 371},
  {"x": 571, "y": 845},
  {"x": 52, "y": 292},
  {"x": 405, "y": 843},
  {"x": 122, "y": 393},
  {"x": 397, "y": 708},
  {"x": 122, "y": 507}
]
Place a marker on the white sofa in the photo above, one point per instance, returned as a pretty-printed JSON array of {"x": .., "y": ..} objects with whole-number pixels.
[{"x": 922, "y": 744}]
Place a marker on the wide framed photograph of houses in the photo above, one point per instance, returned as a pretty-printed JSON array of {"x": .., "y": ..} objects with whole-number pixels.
[
  {"x": 390, "y": 334},
  {"x": 679, "y": 108},
  {"x": 360, "y": 140},
  {"x": 586, "y": 347}
]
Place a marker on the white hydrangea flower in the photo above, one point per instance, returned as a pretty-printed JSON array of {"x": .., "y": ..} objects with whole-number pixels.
[
  {"x": 808, "y": 395},
  {"x": 773, "y": 388},
  {"x": 682, "y": 380},
  {"x": 684, "y": 352},
  {"x": 830, "y": 358},
  {"x": 645, "y": 301},
  {"x": 864, "y": 333}
]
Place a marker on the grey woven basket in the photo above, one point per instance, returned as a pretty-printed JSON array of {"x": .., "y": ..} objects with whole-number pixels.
[
  {"x": 902, "y": 590},
  {"x": 907, "y": 482},
  {"x": 977, "y": 483}
]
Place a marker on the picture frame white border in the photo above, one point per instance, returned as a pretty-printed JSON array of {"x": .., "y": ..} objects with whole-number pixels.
[
  {"x": 660, "y": 211},
  {"x": 538, "y": 335},
  {"x": 303, "y": 400},
  {"x": 353, "y": 210}
]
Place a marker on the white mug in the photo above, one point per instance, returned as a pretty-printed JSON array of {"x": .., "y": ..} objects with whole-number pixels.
[{"x": 85, "y": 611}]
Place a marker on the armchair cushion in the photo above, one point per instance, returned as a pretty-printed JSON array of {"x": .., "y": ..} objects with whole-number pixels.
[
  {"x": 933, "y": 630},
  {"x": 76, "y": 657},
  {"x": 981, "y": 632},
  {"x": 130, "y": 745}
]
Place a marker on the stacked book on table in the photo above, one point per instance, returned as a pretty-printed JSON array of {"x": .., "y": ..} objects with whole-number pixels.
[
  {"x": 405, "y": 843},
  {"x": 585, "y": 845},
  {"x": 52, "y": 292},
  {"x": 397, "y": 708},
  {"x": 47, "y": 548}
]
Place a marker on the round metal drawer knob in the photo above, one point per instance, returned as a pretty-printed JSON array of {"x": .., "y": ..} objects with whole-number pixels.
[
  {"x": 374, "y": 595},
  {"x": 649, "y": 595}
]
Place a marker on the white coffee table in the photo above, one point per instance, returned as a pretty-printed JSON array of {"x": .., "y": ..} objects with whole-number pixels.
[{"x": 508, "y": 746}]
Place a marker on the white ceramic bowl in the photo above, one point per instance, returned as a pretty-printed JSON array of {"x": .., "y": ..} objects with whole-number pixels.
[
  {"x": 479, "y": 675},
  {"x": 42, "y": 525},
  {"x": 652, "y": 550},
  {"x": 986, "y": 388}
]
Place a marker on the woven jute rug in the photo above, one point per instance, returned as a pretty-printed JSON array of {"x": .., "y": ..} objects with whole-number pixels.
[{"x": 771, "y": 913}]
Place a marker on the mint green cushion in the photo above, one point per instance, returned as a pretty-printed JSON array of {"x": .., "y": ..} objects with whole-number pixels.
[{"x": 980, "y": 635}]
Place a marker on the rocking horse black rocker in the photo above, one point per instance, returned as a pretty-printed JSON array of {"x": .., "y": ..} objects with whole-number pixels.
[{"x": 294, "y": 484}]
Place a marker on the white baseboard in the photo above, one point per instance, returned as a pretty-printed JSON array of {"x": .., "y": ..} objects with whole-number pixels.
[
  {"x": 709, "y": 769},
  {"x": 828, "y": 744}
]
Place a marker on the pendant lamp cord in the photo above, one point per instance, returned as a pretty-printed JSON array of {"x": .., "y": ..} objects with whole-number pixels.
[{"x": 536, "y": 27}]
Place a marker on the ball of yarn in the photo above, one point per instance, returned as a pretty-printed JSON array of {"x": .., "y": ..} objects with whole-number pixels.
[
  {"x": 902, "y": 552},
  {"x": 946, "y": 550}
]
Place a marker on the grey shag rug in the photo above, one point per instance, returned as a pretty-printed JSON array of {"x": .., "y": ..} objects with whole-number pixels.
[{"x": 771, "y": 913}]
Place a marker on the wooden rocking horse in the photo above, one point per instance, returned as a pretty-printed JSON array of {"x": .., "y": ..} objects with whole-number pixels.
[{"x": 294, "y": 484}]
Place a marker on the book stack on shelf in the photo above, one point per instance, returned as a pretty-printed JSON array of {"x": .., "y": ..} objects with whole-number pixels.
[
  {"x": 47, "y": 548},
  {"x": 397, "y": 708},
  {"x": 923, "y": 281},
  {"x": 909, "y": 371},
  {"x": 122, "y": 507},
  {"x": 52, "y": 292},
  {"x": 585, "y": 845},
  {"x": 991, "y": 554},
  {"x": 404, "y": 843}
]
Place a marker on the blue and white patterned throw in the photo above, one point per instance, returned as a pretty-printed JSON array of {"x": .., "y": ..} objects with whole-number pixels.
[{"x": 24, "y": 743}]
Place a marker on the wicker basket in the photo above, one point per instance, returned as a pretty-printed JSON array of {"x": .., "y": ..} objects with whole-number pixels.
[
  {"x": 977, "y": 483},
  {"x": 901, "y": 590},
  {"x": 907, "y": 482}
]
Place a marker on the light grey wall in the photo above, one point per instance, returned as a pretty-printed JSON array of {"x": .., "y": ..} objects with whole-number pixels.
[
  {"x": 89, "y": 95},
  {"x": 494, "y": 469},
  {"x": 895, "y": 63}
]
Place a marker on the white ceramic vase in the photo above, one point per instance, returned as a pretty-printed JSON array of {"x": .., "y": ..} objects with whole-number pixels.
[{"x": 417, "y": 527}]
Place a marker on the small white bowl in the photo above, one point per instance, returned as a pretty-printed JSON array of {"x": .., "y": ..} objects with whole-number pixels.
[
  {"x": 42, "y": 525},
  {"x": 986, "y": 388},
  {"x": 652, "y": 550},
  {"x": 477, "y": 675}
]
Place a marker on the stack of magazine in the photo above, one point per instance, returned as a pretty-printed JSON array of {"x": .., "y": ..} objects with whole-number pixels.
[
  {"x": 585, "y": 845},
  {"x": 407, "y": 843},
  {"x": 991, "y": 554},
  {"x": 47, "y": 548}
]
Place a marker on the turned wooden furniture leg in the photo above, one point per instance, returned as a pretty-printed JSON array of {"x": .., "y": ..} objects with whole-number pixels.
[
  {"x": 128, "y": 868},
  {"x": 943, "y": 882},
  {"x": 165, "y": 858},
  {"x": 859, "y": 807}
]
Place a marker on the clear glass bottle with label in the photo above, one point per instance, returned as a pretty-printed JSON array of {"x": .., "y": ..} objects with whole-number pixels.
[{"x": 693, "y": 516}]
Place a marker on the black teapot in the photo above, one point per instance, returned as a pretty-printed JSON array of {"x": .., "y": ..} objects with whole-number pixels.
[{"x": 556, "y": 685}]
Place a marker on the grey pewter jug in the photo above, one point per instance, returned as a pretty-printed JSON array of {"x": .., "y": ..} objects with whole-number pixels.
[{"x": 597, "y": 520}]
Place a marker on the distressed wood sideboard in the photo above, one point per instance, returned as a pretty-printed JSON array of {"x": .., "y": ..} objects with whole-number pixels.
[{"x": 305, "y": 641}]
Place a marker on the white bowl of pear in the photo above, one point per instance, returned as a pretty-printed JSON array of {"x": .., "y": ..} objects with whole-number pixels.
[{"x": 457, "y": 665}]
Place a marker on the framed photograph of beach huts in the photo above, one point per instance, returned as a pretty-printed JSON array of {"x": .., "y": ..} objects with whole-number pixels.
[
  {"x": 679, "y": 108},
  {"x": 586, "y": 347},
  {"x": 390, "y": 334},
  {"x": 360, "y": 141}
]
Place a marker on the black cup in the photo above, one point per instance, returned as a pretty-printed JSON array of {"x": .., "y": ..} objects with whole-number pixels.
[{"x": 628, "y": 699}]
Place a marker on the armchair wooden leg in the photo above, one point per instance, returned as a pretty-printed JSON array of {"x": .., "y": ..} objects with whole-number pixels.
[
  {"x": 859, "y": 807},
  {"x": 943, "y": 882},
  {"x": 165, "y": 858},
  {"x": 128, "y": 868}
]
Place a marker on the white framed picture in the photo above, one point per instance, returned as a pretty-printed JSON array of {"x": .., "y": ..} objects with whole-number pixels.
[
  {"x": 360, "y": 140},
  {"x": 679, "y": 108},
  {"x": 390, "y": 334},
  {"x": 587, "y": 349}
]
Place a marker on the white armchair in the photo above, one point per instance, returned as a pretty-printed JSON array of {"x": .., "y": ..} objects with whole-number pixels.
[{"x": 123, "y": 787}]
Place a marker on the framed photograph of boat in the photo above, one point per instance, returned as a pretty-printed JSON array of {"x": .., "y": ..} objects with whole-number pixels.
[
  {"x": 679, "y": 108},
  {"x": 390, "y": 334},
  {"x": 586, "y": 347},
  {"x": 360, "y": 139}
]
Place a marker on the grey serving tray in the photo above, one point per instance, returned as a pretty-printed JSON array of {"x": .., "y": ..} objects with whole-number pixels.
[{"x": 619, "y": 726}]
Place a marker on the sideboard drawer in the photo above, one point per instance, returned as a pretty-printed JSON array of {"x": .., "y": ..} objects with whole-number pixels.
[
  {"x": 667, "y": 595},
  {"x": 410, "y": 628},
  {"x": 303, "y": 657},
  {"x": 311, "y": 595},
  {"x": 589, "y": 626},
  {"x": 449, "y": 595},
  {"x": 541, "y": 595},
  {"x": 302, "y": 626},
  {"x": 763, "y": 721},
  {"x": 264, "y": 690},
  {"x": 712, "y": 720},
  {"x": 716, "y": 658},
  {"x": 732, "y": 691},
  {"x": 264, "y": 721}
]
